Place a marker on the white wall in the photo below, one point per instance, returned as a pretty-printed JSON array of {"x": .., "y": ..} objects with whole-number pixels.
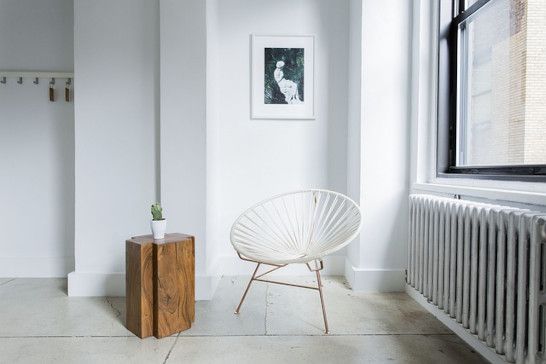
[
  {"x": 208, "y": 160},
  {"x": 116, "y": 113},
  {"x": 36, "y": 142},
  {"x": 385, "y": 126},
  {"x": 249, "y": 160},
  {"x": 183, "y": 125},
  {"x": 37, "y": 35},
  {"x": 386, "y": 54},
  {"x": 354, "y": 117}
]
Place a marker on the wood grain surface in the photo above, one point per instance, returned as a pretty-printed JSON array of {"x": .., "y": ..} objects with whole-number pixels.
[
  {"x": 174, "y": 297},
  {"x": 160, "y": 284},
  {"x": 139, "y": 288}
]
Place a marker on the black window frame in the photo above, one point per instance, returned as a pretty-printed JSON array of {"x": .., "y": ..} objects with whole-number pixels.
[{"x": 452, "y": 14}]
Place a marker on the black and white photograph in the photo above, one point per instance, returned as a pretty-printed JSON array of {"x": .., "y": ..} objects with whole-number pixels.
[{"x": 283, "y": 77}]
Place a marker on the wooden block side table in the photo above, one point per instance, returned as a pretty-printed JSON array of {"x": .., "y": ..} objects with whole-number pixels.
[
  {"x": 139, "y": 288},
  {"x": 160, "y": 284}
]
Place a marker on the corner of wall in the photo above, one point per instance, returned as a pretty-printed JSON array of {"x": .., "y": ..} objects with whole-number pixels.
[{"x": 374, "y": 280}]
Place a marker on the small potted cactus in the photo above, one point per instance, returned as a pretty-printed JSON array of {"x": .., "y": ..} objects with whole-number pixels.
[{"x": 159, "y": 224}]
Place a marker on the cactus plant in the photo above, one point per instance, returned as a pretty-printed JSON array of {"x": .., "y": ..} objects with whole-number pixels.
[{"x": 157, "y": 212}]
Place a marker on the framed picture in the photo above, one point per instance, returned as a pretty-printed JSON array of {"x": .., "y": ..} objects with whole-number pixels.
[{"x": 283, "y": 77}]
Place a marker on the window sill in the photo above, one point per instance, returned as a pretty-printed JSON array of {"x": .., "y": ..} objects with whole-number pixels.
[{"x": 516, "y": 192}]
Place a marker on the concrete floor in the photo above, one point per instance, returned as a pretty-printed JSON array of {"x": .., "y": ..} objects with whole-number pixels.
[{"x": 277, "y": 324}]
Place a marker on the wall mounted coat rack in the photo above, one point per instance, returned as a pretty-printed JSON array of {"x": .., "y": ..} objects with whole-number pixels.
[{"x": 20, "y": 76}]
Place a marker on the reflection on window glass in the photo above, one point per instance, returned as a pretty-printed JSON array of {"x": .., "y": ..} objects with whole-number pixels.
[
  {"x": 502, "y": 75},
  {"x": 469, "y": 3}
]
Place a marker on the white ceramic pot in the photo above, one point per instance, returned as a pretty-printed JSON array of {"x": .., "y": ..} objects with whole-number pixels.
[{"x": 158, "y": 228}]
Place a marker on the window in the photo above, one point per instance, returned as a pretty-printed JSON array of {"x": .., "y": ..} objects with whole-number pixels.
[{"x": 492, "y": 89}]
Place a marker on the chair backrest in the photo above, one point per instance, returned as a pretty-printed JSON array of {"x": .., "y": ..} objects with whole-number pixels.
[{"x": 296, "y": 227}]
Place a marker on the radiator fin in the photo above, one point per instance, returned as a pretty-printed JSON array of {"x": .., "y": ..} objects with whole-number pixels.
[{"x": 484, "y": 265}]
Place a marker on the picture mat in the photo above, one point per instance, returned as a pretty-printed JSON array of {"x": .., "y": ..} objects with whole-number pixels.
[{"x": 260, "y": 110}]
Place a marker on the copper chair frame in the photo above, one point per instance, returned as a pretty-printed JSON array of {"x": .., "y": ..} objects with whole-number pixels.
[{"x": 319, "y": 265}]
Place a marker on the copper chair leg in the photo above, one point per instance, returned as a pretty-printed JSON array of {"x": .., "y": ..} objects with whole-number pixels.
[
  {"x": 319, "y": 265},
  {"x": 247, "y": 288},
  {"x": 319, "y": 283}
]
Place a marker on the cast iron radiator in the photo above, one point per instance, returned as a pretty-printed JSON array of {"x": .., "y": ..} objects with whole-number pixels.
[{"x": 485, "y": 266}]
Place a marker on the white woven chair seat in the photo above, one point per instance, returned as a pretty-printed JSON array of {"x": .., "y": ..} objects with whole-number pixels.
[{"x": 296, "y": 227}]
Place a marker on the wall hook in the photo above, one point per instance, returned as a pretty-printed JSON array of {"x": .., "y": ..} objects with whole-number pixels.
[
  {"x": 52, "y": 90},
  {"x": 67, "y": 90},
  {"x": 3, "y": 80},
  {"x": 36, "y": 81},
  {"x": 20, "y": 81}
]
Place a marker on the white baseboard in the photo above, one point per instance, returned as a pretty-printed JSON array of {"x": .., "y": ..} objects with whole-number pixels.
[
  {"x": 91, "y": 284},
  {"x": 374, "y": 280},
  {"x": 472, "y": 340},
  {"x": 334, "y": 265},
  {"x": 36, "y": 267},
  {"x": 113, "y": 284},
  {"x": 365, "y": 280}
]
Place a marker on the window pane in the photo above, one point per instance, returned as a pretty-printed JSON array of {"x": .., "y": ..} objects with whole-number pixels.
[
  {"x": 502, "y": 83},
  {"x": 469, "y": 3}
]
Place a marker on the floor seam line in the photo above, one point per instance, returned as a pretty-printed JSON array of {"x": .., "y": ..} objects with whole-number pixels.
[
  {"x": 171, "y": 349},
  {"x": 222, "y": 336},
  {"x": 116, "y": 311},
  {"x": 6, "y": 282}
]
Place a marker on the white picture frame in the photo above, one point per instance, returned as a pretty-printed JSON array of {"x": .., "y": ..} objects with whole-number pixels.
[{"x": 273, "y": 94}]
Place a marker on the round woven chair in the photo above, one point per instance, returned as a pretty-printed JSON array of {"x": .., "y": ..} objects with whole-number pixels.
[{"x": 295, "y": 227}]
